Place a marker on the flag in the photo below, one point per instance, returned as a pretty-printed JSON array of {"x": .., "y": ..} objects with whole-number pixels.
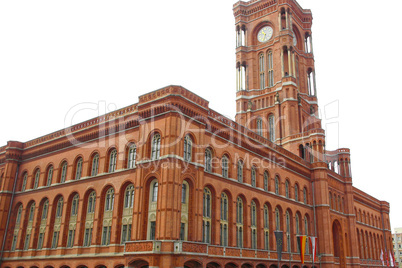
[
  {"x": 301, "y": 241},
  {"x": 382, "y": 257},
  {"x": 387, "y": 258},
  {"x": 279, "y": 243},
  {"x": 313, "y": 247},
  {"x": 391, "y": 259}
]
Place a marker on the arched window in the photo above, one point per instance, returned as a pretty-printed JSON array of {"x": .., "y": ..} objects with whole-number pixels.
[
  {"x": 59, "y": 209},
  {"x": 297, "y": 220},
  {"x": 156, "y": 147},
  {"x": 276, "y": 185},
  {"x": 262, "y": 70},
  {"x": 112, "y": 160},
  {"x": 109, "y": 200},
  {"x": 225, "y": 166},
  {"x": 45, "y": 210},
  {"x": 89, "y": 221},
  {"x": 31, "y": 212},
  {"x": 91, "y": 202},
  {"x": 266, "y": 227},
  {"x": 253, "y": 176},
  {"x": 78, "y": 169},
  {"x": 129, "y": 196},
  {"x": 36, "y": 182},
  {"x": 19, "y": 213},
  {"x": 188, "y": 145},
  {"x": 74, "y": 205},
  {"x": 270, "y": 62},
  {"x": 24, "y": 182},
  {"x": 240, "y": 77},
  {"x": 57, "y": 223},
  {"x": 277, "y": 219},
  {"x": 266, "y": 176},
  {"x": 72, "y": 221},
  {"x": 296, "y": 192},
  {"x": 208, "y": 160},
  {"x": 311, "y": 82},
  {"x": 259, "y": 126},
  {"x": 16, "y": 228},
  {"x": 288, "y": 231},
  {"x": 127, "y": 214},
  {"x": 240, "y": 171},
  {"x": 131, "y": 156},
  {"x": 30, "y": 222},
  {"x": 155, "y": 191},
  {"x": 301, "y": 151},
  {"x": 239, "y": 222},
  {"x": 49, "y": 176},
  {"x": 271, "y": 122},
  {"x": 63, "y": 173},
  {"x": 206, "y": 223},
  {"x": 183, "y": 193},
  {"x": 184, "y": 211},
  {"x": 224, "y": 219},
  {"x": 107, "y": 217},
  {"x": 305, "y": 196},
  {"x": 95, "y": 165},
  {"x": 253, "y": 225},
  {"x": 287, "y": 189}
]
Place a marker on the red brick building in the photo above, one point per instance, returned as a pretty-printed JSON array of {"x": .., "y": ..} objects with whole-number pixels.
[{"x": 169, "y": 182}]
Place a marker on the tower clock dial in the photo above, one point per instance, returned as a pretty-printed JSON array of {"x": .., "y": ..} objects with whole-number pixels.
[{"x": 265, "y": 34}]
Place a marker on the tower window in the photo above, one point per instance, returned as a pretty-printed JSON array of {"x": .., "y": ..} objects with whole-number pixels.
[
  {"x": 311, "y": 82},
  {"x": 259, "y": 126},
  {"x": 208, "y": 160},
  {"x": 187, "y": 148},
  {"x": 241, "y": 77},
  {"x": 253, "y": 177},
  {"x": 271, "y": 122},
  {"x": 262, "y": 70},
  {"x": 156, "y": 147},
  {"x": 240, "y": 171},
  {"x": 131, "y": 156},
  {"x": 225, "y": 166},
  {"x": 270, "y": 63}
]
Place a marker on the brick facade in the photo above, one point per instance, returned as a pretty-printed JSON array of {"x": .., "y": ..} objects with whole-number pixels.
[{"x": 169, "y": 182}]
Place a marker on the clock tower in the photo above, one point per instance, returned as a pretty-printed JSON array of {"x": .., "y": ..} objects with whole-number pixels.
[{"x": 276, "y": 94}]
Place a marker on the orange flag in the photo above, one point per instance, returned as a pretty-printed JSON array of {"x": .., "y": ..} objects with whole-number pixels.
[{"x": 301, "y": 241}]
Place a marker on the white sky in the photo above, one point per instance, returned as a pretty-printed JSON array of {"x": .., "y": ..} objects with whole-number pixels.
[{"x": 55, "y": 55}]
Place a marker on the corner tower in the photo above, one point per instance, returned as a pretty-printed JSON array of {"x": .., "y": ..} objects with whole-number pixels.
[{"x": 276, "y": 94}]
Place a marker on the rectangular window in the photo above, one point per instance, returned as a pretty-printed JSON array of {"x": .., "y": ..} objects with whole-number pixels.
[
  {"x": 182, "y": 231},
  {"x": 14, "y": 244},
  {"x": 105, "y": 236},
  {"x": 40, "y": 240},
  {"x": 152, "y": 231},
  {"x": 123, "y": 234},
  {"x": 70, "y": 240},
  {"x": 87, "y": 237},
  {"x": 129, "y": 233},
  {"x": 27, "y": 239},
  {"x": 55, "y": 239}
]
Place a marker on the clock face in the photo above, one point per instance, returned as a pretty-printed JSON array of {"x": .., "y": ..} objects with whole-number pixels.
[
  {"x": 294, "y": 39},
  {"x": 265, "y": 34}
]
